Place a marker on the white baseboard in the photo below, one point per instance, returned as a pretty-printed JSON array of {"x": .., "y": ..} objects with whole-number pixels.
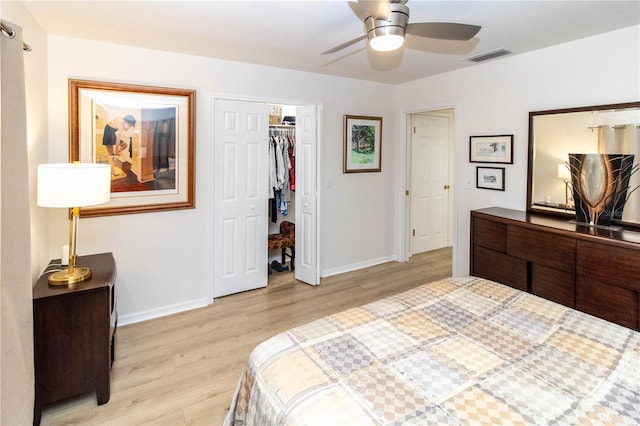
[
  {"x": 355, "y": 266},
  {"x": 200, "y": 303},
  {"x": 161, "y": 312}
]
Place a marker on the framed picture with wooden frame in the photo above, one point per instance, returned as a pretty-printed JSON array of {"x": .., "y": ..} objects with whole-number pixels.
[
  {"x": 362, "y": 144},
  {"x": 145, "y": 133},
  {"x": 491, "y": 149},
  {"x": 490, "y": 178}
]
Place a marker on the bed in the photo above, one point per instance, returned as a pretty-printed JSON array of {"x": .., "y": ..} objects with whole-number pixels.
[{"x": 461, "y": 350}]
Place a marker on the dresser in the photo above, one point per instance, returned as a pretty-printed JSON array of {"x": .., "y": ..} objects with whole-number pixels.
[
  {"x": 593, "y": 270},
  {"x": 74, "y": 332}
]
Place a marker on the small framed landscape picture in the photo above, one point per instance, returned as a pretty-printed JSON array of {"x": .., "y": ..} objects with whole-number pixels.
[
  {"x": 491, "y": 149},
  {"x": 490, "y": 178},
  {"x": 362, "y": 144}
]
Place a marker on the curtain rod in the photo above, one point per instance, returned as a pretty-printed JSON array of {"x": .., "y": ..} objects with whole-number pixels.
[{"x": 8, "y": 32}]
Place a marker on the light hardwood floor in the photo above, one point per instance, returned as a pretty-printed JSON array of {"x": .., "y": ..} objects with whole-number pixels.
[{"x": 182, "y": 369}]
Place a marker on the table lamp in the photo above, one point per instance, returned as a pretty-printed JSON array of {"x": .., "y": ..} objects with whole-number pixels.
[
  {"x": 565, "y": 174},
  {"x": 73, "y": 185}
]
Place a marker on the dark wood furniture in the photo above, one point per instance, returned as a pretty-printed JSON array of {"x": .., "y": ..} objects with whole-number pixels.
[
  {"x": 74, "y": 331},
  {"x": 593, "y": 270},
  {"x": 286, "y": 239}
]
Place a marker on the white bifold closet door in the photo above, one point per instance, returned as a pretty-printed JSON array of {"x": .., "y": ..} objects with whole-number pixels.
[
  {"x": 307, "y": 204},
  {"x": 241, "y": 132}
]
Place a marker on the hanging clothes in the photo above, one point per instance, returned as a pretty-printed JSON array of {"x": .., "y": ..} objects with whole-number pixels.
[
  {"x": 273, "y": 210},
  {"x": 281, "y": 145},
  {"x": 286, "y": 189},
  {"x": 280, "y": 164},
  {"x": 292, "y": 163}
]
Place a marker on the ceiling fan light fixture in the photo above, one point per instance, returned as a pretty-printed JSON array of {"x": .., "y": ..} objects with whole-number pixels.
[
  {"x": 388, "y": 34},
  {"x": 386, "y": 23}
]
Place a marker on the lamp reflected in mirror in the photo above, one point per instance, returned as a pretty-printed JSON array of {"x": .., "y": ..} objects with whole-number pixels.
[{"x": 565, "y": 174}]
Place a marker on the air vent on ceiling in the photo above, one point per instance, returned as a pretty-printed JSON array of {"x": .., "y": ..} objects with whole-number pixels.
[{"x": 488, "y": 55}]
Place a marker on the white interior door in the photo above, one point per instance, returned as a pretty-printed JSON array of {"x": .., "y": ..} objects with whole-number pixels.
[
  {"x": 240, "y": 196},
  {"x": 307, "y": 232},
  {"x": 429, "y": 182}
]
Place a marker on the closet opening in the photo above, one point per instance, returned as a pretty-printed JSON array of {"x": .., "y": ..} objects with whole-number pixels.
[
  {"x": 241, "y": 220},
  {"x": 282, "y": 186}
]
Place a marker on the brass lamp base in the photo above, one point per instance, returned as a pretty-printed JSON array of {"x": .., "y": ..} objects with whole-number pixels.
[{"x": 80, "y": 273}]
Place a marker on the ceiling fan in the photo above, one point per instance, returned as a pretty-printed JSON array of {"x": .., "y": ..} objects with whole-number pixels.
[{"x": 387, "y": 21}]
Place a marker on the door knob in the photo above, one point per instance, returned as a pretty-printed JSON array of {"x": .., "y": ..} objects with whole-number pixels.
[{"x": 447, "y": 187}]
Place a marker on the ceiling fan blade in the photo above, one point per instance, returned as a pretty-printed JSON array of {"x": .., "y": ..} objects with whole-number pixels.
[
  {"x": 343, "y": 45},
  {"x": 443, "y": 30},
  {"x": 380, "y": 9}
]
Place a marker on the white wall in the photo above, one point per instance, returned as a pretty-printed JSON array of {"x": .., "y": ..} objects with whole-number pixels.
[
  {"x": 162, "y": 257},
  {"x": 495, "y": 97}
]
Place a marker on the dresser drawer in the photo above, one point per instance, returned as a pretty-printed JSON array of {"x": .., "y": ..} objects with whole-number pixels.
[
  {"x": 499, "y": 267},
  {"x": 490, "y": 234},
  {"x": 542, "y": 248},
  {"x": 612, "y": 303},
  {"x": 616, "y": 266},
  {"x": 552, "y": 284}
]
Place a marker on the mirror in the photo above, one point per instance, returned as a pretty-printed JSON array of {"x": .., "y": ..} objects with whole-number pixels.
[{"x": 554, "y": 134}]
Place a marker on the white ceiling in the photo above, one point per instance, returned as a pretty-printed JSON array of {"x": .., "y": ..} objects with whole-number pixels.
[{"x": 292, "y": 34}]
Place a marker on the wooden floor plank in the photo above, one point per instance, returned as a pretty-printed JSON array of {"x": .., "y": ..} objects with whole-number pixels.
[{"x": 182, "y": 369}]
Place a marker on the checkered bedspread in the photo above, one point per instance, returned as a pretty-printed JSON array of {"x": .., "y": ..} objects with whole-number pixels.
[{"x": 455, "y": 351}]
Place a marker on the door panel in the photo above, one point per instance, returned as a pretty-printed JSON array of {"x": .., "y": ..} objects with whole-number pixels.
[
  {"x": 240, "y": 196},
  {"x": 229, "y": 236}
]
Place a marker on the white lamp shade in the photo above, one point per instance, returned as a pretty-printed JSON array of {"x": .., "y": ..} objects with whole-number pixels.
[
  {"x": 73, "y": 184},
  {"x": 563, "y": 172}
]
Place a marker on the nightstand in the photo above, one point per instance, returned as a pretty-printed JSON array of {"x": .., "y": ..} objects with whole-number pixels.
[{"x": 74, "y": 332}]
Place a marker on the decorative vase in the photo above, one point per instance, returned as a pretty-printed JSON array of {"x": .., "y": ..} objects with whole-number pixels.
[{"x": 600, "y": 183}]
